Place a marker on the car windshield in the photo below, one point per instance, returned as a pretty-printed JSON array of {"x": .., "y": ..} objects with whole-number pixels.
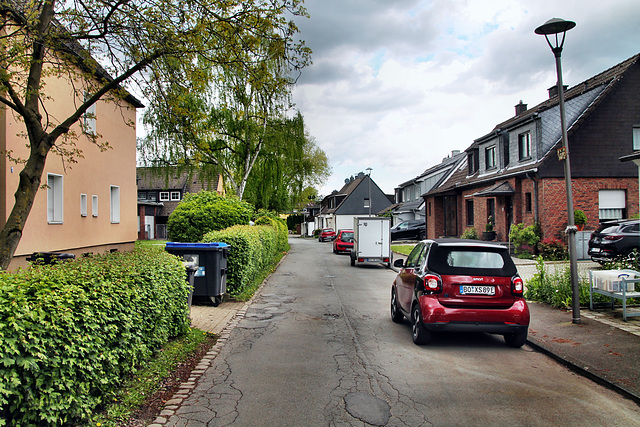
[
  {"x": 328, "y": 230},
  {"x": 467, "y": 259}
]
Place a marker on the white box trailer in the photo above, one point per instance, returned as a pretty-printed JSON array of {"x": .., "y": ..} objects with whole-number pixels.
[{"x": 372, "y": 240}]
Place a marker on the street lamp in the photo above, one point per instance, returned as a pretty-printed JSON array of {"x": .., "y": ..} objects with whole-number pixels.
[
  {"x": 559, "y": 27},
  {"x": 369, "y": 174}
]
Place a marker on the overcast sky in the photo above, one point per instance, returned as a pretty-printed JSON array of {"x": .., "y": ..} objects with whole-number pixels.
[{"x": 396, "y": 85}]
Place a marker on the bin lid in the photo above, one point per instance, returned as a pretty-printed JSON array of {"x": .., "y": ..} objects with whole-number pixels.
[{"x": 182, "y": 245}]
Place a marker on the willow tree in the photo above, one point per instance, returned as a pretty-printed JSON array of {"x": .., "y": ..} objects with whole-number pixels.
[
  {"x": 227, "y": 124},
  {"x": 101, "y": 45},
  {"x": 290, "y": 162}
]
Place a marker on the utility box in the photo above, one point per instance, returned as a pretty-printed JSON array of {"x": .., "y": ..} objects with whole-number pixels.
[
  {"x": 210, "y": 260},
  {"x": 372, "y": 240}
]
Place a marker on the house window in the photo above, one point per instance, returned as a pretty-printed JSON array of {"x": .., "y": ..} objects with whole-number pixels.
[
  {"x": 55, "y": 199},
  {"x": 83, "y": 205},
  {"x": 505, "y": 150},
  {"x": 490, "y": 157},
  {"x": 89, "y": 117},
  {"x": 527, "y": 202},
  {"x": 115, "y": 204},
  {"x": 473, "y": 161},
  {"x": 164, "y": 196},
  {"x": 469, "y": 212},
  {"x": 175, "y": 196},
  {"x": 612, "y": 204},
  {"x": 94, "y": 205},
  {"x": 524, "y": 146},
  {"x": 636, "y": 137},
  {"x": 366, "y": 203}
]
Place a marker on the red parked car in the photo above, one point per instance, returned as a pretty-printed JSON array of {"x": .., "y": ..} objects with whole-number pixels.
[
  {"x": 343, "y": 241},
  {"x": 460, "y": 285},
  {"x": 326, "y": 234}
]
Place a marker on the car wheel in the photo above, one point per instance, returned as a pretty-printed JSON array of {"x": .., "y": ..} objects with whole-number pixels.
[
  {"x": 421, "y": 235},
  {"x": 396, "y": 315},
  {"x": 353, "y": 260},
  {"x": 319, "y": 239},
  {"x": 419, "y": 334},
  {"x": 516, "y": 340}
]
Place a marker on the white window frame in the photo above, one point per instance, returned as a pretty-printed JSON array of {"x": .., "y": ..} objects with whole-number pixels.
[
  {"x": 94, "y": 206},
  {"x": 177, "y": 196},
  {"x": 83, "y": 205},
  {"x": 636, "y": 137},
  {"x": 611, "y": 204},
  {"x": 367, "y": 203},
  {"x": 524, "y": 140},
  {"x": 490, "y": 157},
  {"x": 55, "y": 199},
  {"x": 114, "y": 192},
  {"x": 164, "y": 196}
]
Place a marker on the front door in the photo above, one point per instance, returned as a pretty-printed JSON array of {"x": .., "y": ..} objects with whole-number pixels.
[{"x": 450, "y": 216}]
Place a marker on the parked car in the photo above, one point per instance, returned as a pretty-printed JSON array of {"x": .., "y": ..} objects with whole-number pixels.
[
  {"x": 326, "y": 234},
  {"x": 409, "y": 230},
  {"x": 343, "y": 241},
  {"x": 459, "y": 285},
  {"x": 614, "y": 239}
]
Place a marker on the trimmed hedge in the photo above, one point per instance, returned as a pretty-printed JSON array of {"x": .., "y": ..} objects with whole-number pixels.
[
  {"x": 71, "y": 332},
  {"x": 199, "y": 213},
  {"x": 252, "y": 249}
]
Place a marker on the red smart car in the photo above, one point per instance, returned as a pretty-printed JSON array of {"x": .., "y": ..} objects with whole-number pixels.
[
  {"x": 326, "y": 234},
  {"x": 460, "y": 285},
  {"x": 343, "y": 241}
]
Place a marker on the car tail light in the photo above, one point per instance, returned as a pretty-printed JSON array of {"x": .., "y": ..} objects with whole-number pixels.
[
  {"x": 612, "y": 238},
  {"x": 432, "y": 283},
  {"x": 517, "y": 285}
]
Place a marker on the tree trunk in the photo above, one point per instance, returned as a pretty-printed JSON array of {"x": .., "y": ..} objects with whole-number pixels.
[{"x": 30, "y": 178}]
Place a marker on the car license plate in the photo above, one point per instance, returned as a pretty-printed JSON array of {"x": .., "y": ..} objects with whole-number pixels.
[
  {"x": 595, "y": 250},
  {"x": 477, "y": 290}
]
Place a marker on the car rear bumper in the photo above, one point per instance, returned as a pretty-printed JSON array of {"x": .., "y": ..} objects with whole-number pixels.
[
  {"x": 343, "y": 248},
  {"x": 437, "y": 317}
]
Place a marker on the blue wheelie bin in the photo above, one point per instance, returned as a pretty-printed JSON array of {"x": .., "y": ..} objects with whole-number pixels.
[{"x": 210, "y": 259}]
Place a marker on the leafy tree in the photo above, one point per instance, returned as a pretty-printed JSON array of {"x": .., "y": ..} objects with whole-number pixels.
[
  {"x": 43, "y": 41},
  {"x": 229, "y": 123}
]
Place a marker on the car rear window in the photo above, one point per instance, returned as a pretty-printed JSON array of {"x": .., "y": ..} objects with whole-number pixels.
[
  {"x": 475, "y": 261},
  {"x": 347, "y": 236}
]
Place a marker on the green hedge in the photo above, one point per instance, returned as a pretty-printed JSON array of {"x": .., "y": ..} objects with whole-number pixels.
[
  {"x": 70, "y": 333},
  {"x": 252, "y": 250}
]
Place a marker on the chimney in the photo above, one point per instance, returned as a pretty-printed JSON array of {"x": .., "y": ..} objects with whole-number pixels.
[
  {"x": 521, "y": 108},
  {"x": 553, "y": 90}
]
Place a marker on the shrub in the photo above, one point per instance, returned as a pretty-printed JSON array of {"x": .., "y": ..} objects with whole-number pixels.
[
  {"x": 470, "y": 233},
  {"x": 579, "y": 217},
  {"x": 199, "y": 213},
  {"x": 281, "y": 228},
  {"x": 553, "y": 250},
  {"x": 524, "y": 238},
  {"x": 72, "y": 332},
  {"x": 252, "y": 248}
]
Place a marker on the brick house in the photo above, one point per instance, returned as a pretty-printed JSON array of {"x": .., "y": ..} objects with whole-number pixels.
[
  {"x": 513, "y": 174},
  {"x": 338, "y": 209},
  {"x": 161, "y": 189}
]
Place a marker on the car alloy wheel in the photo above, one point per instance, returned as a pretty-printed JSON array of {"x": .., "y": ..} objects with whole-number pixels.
[
  {"x": 396, "y": 316},
  {"x": 419, "y": 334},
  {"x": 633, "y": 257}
]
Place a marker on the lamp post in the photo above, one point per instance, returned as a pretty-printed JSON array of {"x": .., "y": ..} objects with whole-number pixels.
[
  {"x": 369, "y": 174},
  {"x": 559, "y": 27}
]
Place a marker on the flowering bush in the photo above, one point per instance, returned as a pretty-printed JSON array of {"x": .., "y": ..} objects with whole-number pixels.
[{"x": 553, "y": 250}]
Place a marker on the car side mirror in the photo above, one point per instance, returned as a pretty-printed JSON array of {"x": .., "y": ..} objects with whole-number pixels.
[{"x": 399, "y": 263}]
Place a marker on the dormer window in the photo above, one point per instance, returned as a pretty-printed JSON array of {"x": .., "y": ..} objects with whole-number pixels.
[
  {"x": 490, "y": 157},
  {"x": 473, "y": 161},
  {"x": 524, "y": 146}
]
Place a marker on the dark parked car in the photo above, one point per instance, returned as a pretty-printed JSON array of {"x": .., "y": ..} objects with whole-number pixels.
[
  {"x": 458, "y": 285},
  {"x": 615, "y": 239},
  {"x": 409, "y": 230},
  {"x": 326, "y": 234},
  {"x": 343, "y": 241}
]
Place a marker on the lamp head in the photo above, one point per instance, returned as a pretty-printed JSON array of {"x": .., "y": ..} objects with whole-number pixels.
[{"x": 555, "y": 26}]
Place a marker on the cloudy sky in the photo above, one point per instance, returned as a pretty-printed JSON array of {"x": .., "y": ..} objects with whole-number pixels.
[{"x": 396, "y": 85}]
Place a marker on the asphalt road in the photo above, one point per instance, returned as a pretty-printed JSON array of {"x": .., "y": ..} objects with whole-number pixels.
[{"x": 318, "y": 348}]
